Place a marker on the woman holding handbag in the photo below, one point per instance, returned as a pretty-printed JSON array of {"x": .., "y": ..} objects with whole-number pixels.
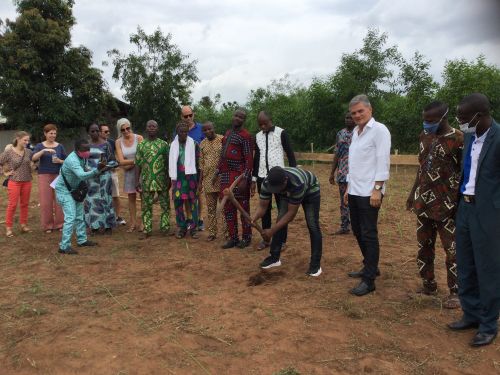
[
  {"x": 50, "y": 155},
  {"x": 16, "y": 162}
]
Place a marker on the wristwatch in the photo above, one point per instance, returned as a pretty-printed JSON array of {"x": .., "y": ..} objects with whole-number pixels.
[{"x": 378, "y": 187}]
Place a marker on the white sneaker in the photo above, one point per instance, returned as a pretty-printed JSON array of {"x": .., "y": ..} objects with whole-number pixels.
[
  {"x": 269, "y": 262},
  {"x": 314, "y": 272}
]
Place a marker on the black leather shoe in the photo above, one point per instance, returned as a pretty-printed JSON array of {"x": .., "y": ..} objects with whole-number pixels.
[
  {"x": 87, "y": 244},
  {"x": 362, "y": 289},
  {"x": 461, "y": 325},
  {"x": 358, "y": 274},
  {"x": 68, "y": 251},
  {"x": 230, "y": 244},
  {"x": 243, "y": 243},
  {"x": 482, "y": 339}
]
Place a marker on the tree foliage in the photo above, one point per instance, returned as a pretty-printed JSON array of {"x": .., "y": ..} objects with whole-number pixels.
[
  {"x": 157, "y": 77},
  {"x": 42, "y": 78}
]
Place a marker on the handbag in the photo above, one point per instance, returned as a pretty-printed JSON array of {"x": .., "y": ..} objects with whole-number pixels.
[
  {"x": 5, "y": 182},
  {"x": 80, "y": 192}
]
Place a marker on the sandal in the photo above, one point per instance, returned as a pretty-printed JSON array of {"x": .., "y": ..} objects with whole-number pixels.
[
  {"x": 211, "y": 238},
  {"x": 131, "y": 229},
  {"x": 25, "y": 228},
  {"x": 9, "y": 233},
  {"x": 48, "y": 231},
  {"x": 451, "y": 302},
  {"x": 181, "y": 233}
]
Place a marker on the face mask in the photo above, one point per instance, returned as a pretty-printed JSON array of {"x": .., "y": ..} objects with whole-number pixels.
[
  {"x": 466, "y": 128},
  {"x": 432, "y": 128},
  {"x": 83, "y": 154}
]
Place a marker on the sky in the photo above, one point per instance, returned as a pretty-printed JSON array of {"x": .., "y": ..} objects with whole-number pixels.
[{"x": 243, "y": 45}]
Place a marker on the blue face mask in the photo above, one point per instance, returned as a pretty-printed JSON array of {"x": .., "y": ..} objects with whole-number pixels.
[{"x": 432, "y": 128}]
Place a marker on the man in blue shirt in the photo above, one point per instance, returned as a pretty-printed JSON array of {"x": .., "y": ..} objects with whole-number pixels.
[
  {"x": 195, "y": 132},
  {"x": 478, "y": 216}
]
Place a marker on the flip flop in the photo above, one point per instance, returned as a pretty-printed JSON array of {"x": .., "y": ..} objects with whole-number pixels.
[
  {"x": 131, "y": 229},
  {"x": 9, "y": 233}
]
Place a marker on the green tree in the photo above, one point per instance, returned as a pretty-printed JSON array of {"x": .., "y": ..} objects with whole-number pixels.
[
  {"x": 157, "y": 77},
  {"x": 461, "y": 78},
  {"x": 42, "y": 78}
]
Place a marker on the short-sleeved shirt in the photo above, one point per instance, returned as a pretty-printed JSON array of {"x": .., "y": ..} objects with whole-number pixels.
[
  {"x": 21, "y": 165},
  {"x": 152, "y": 158},
  {"x": 343, "y": 141},
  {"x": 46, "y": 166},
  {"x": 438, "y": 177},
  {"x": 301, "y": 186},
  {"x": 210, "y": 154}
]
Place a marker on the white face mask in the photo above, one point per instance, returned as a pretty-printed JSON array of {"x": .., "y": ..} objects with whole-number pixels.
[{"x": 465, "y": 127}]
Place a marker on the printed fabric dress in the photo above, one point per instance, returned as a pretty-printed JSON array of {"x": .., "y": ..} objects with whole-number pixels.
[
  {"x": 98, "y": 205},
  {"x": 185, "y": 189}
]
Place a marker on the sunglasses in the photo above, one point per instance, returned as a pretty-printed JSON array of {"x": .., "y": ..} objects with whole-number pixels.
[
  {"x": 123, "y": 130},
  {"x": 188, "y": 116},
  {"x": 105, "y": 131}
]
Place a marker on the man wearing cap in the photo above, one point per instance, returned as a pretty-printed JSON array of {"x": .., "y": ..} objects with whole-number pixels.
[{"x": 295, "y": 187}]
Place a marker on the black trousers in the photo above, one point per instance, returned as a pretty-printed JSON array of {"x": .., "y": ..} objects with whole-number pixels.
[
  {"x": 266, "y": 219},
  {"x": 364, "y": 226},
  {"x": 311, "y": 212}
]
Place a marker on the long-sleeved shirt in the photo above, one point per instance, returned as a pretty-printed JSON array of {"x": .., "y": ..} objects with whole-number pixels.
[
  {"x": 270, "y": 149},
  {"x": 236, "y": 156},
  {"x": 74, "y": 171},
  {"x": 369, "y": 158}
]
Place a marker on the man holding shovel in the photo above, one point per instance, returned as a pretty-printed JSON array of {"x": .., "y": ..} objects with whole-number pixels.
[{"x": 295, "y": 187}]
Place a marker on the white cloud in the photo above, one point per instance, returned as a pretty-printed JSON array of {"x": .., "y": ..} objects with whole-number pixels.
[{"x": 242, "y": 45}]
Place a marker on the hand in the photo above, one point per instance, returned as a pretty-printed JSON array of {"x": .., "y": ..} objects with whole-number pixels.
[
  {"x": 409, "y": 204},
  {"x": 128, "y": 167},
  {"x": 8, "y": 173},
  {"x": 243, "y": 185},
  {"x": 267, "y": 235},
  {"x": 169, "y": 183},
  {"x": 138, "y": 188},
  {"x": 376, "y": 198},
  {"x": 49, "y": 150},
  {"x": 253, "y": 187},
  {"x": 56, "y": 160},
  {"x": 214, "y": 179},
  {"x": 332, "y": 178},
  {"x": 200, "y": 187}
]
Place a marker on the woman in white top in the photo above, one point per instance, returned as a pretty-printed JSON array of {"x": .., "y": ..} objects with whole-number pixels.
[{"x": 126, "y": 146}]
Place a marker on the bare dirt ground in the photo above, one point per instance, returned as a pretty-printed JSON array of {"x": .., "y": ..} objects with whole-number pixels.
[{"x": 167, "y": 306}]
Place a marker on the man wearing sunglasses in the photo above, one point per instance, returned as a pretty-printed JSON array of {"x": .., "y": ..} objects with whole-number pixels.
[
  {"x": 478, "y": 218},
  {"x": 433, "y": 197},
  {"x": 195, "y": 132}
]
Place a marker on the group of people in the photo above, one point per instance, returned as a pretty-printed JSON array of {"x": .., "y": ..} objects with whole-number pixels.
[{"x": 456, "y": 192}]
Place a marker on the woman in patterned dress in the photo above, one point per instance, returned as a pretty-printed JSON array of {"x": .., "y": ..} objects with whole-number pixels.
[
  {"x": 98, "y": 206},
  {"x": 183, "y": 170}
]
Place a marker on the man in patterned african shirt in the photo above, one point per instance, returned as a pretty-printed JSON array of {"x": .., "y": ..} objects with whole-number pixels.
[
  {"x": 340, "y": 168},
  {"x": 151, "y": 160},
  {"x": 236, "y": 160},
  {"x": 210, "y": 154},
  {"x": 434, "y": 196}
]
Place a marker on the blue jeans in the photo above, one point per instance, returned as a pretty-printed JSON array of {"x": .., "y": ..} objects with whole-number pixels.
[{"x": 311, "y": 212}]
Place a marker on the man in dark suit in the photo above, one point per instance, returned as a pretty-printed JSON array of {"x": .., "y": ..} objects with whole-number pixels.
[{"x": 478, "y": 220}]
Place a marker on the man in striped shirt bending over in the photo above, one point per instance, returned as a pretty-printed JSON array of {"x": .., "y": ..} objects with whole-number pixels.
[{"x": 295, "y": 187}]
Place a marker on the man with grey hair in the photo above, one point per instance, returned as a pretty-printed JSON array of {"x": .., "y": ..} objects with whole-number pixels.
[{"x": 369, "y": 163}]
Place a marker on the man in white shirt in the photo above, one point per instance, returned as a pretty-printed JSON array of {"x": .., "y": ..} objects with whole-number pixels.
[
  {"x": 369, "y": 163},
  {"x": 477, "y": 221}
]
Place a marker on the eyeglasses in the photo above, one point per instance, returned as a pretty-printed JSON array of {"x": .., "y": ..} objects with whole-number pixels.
[
  {"x": 105, "y": 131},
  {"x": 188, "y": 116},
  {"x": 127, "y": 129}
]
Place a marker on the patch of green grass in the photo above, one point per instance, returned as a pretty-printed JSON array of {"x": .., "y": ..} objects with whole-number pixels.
[
  {"x": 287, "y": 371},
  {"x": 26, "y": 310}
]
